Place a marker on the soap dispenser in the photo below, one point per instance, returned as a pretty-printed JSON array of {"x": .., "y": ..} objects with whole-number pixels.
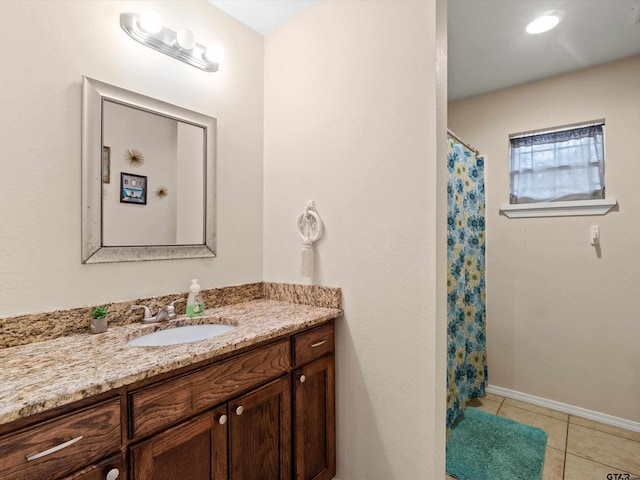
[{"x": 195, "y": 307}]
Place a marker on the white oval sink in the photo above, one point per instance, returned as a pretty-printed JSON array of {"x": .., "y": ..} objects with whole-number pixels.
[{"x": 184, "y": 334}]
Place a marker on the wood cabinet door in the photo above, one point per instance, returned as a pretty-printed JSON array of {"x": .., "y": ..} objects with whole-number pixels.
[
  {"x": 194, "y": 450},
  {"x": 314, "y": 420},
  {"x": 260, "y": 433},
  {"x": 112, "y": 469}
]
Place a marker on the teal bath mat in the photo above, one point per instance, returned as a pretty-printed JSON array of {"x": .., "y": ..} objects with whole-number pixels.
[{"x": 483, "y": 446}]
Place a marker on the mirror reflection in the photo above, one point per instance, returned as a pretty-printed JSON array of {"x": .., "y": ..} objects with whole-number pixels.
[{"x": 153, "y": 178}]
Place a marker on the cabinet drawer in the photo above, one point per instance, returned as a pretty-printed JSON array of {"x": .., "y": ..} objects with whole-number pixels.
[
  {"x": 312, "y": 344},
  {"x": 159, "y": 406},
  {"x": 113, "y": 466},
  {"x": 61, "y": 445}
]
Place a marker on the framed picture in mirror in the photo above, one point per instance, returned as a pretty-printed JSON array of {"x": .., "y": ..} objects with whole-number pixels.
[
  {"x": 133, "y": 188},
  {"x": 106, "y": 164}
]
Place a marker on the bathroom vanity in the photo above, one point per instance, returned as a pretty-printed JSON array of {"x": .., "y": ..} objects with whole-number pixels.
[{"x": 254, "y": 403}]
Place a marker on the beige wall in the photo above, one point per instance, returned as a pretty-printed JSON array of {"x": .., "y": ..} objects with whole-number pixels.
[
  {"x": 49, "y": 46},
  {"x": 563, "y": 322},
  {"x": 351, "y": 121}
]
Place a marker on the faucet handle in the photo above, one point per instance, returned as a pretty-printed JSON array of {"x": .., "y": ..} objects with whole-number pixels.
[
  {"x": 171, "y": 310},
  {"x": 178, "y": 300},
  {"x": 147, "y": 312}
]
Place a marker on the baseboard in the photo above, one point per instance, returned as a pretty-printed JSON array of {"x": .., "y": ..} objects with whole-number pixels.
[{"x": 563, "y": 407}]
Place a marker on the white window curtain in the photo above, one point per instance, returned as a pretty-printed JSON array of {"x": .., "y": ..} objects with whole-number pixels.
[{"x": 558, "y": 166}]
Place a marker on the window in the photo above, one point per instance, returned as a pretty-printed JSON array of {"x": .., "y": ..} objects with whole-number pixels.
[{"x": 558, "y": 165}]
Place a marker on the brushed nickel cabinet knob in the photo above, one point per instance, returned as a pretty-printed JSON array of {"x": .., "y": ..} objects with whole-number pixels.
[{"x": 112, "y": 474}]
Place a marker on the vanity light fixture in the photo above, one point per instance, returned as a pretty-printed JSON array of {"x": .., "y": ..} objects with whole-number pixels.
[
  {"x": 543, "y": 24},
  {"x": 147, "y": 29},
  {"x": 150, "y": 21}
]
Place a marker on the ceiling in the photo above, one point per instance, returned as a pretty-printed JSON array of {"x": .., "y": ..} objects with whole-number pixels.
[
  {"x": 263, "y": 15},
  {"x": 488, "y": 46},
  {"x": 490, "y": 50}
]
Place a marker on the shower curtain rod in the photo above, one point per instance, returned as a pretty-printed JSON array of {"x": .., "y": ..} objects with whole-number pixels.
[{"x": 451, "y": 134}]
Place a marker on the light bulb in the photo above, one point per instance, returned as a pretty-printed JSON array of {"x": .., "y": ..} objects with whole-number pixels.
[
  {"x": 186, "y": 39},
  {"x": 542, "y": 24},
  {"x": 150, "y": 21},
  {"x": 214, "y": 53}
]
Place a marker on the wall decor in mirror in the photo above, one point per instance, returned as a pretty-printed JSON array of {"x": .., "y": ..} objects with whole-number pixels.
[{"x": 147, "y": 146}]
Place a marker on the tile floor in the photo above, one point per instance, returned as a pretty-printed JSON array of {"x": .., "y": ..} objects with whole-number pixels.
[{"x": 577, "y": 449}]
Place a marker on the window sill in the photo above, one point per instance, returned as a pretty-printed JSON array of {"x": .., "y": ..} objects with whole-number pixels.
[{"x": 558, "y": 209}]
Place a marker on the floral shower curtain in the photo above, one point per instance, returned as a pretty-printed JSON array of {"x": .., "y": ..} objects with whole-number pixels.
[{"x": 466, "y": 334}]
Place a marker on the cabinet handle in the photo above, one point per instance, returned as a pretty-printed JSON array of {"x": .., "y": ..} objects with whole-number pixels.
[
  {"x": 322, "y": 342},
  {"x": 302, "y": 378},
  {"x": 239, "y": 410},
  {"x": 57, "y": 448},
  {"x": 222, "y": 420},
  {"x": 112, "y": 474}
]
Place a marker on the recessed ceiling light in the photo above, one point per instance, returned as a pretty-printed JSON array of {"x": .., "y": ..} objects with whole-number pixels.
[{"x": 542, "y": 24}]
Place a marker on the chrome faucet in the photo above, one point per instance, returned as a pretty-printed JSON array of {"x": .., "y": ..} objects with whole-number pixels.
[
  {"x": 164, "y": 313},
  {"x": 171, "y": 311},
  {"x": 148, "y": 318}
]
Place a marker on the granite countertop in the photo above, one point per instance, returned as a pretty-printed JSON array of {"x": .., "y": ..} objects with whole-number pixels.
[{"x": 40, "y": 376}]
